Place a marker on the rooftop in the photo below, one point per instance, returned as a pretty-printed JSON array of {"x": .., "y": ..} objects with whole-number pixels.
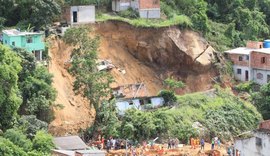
[
  {"x": 15, "y": 32},
  {"x": 247, "y": 51},
  {"x": 69, "y": 143}
]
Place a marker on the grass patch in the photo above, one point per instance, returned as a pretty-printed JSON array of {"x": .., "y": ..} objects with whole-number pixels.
[{"x": 180, "y": 20}]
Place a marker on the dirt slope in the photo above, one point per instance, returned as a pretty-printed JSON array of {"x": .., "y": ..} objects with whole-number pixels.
[
  {"x": 76, "y": 113},
  {"x": 145, "y": 55},
  {"x": 151, "y": 55}
]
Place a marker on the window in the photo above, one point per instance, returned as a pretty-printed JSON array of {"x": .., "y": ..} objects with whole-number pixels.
[
  {"x": 239, "y": 71},
  {"x": 130, "y": 102},
  {"x": 259, "y": 142},
  {"x": 263, "y": 60},
  {"x": 260, "y": 76},
  {"x": 13, "y": 43},
  {"x": 29, "y": 40},
  {"x": 240, "y": 58},
  {"x": 247, "y": 57},
  {"x": 155, "y": 1}
]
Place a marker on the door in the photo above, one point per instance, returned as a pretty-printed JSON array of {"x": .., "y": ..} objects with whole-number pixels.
[
  {"x": 246, "y": 75},
  {"x": 75, "y": 17}
]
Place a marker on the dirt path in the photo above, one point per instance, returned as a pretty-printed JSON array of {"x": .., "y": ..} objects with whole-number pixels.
[
  {"x": 76, "y": 113},
  {"x": 182, "y": 151}
]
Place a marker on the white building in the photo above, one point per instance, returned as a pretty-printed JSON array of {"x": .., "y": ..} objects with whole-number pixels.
[
  {"x": 257, "y": 144},
  {"x": 251, "y": 63},
  {"x": 140, "y": 103},
  {"x": 79, "y": 14}
]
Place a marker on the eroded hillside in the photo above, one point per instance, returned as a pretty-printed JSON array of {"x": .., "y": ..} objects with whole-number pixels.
[
  {"x": 144, "y": 55},
  {"x": 151, "y": 55},
  {"x": 76, "y": 113}
]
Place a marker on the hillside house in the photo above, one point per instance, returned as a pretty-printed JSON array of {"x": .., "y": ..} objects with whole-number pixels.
[
  {"x": 31, "y": 41},
  {"x": 251, "y": 63},
  {"x": 73, "y": 146},
  {"x": 140, "y": 103},
  {"x": 145, "y": 8},
  {"x": 256, "y": 144},
  {"x": 74, "y": 15}
]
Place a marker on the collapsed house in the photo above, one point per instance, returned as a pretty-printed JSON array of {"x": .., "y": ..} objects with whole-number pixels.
[{"x": 135, "y": 96}]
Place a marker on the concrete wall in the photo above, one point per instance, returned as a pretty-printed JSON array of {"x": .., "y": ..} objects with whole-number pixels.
[
  {"x": 248, "y": 147},
  {"x": 242, "y": 76},
  {"x": 85, "y": 14},
  {"x": 150, "y": 13},
  {"x": 260, "y": 76},
  {"x": 120, "y": 5},
  {"x": 21, "y": 42},
  {"x": 157, "y": 101},
  {"x": 125, "y": 104}
]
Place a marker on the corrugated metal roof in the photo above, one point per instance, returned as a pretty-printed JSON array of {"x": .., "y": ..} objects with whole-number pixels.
[{"x": 69, "y": 143}]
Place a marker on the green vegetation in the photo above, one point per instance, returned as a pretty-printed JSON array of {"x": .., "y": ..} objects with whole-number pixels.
[
  {"x": 9, "y": 99},
  {"x": 35, "y": 84},
  {"x": 90, "y": 82},
  {"x": 37, "y": 13},
  {"x": 261, "y": 100},
  {"x": 181, "y": 20},
  {"x": 14, "y": 142},
  {"x": 219, "y": 113}
]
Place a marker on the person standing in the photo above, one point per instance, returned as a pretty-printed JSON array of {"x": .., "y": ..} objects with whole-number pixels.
[
  {"x": 202, "y": 144},
  {"x": 169, "y": 143},
  {"x": 213, "y": 144},
  {"x": 219, "y": 144},
  {"x": 108, "y": 145}
]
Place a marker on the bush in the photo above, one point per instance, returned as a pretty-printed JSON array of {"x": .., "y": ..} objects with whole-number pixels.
[
  {"x": 168, "y": 96},
  {"x": 19, "y": 139},
  {"x": 43, "y": 142},
  {"x": 245, "y": 87},
  {"x": 129, "y": 13},
  {"x": 7, "y": 148}
]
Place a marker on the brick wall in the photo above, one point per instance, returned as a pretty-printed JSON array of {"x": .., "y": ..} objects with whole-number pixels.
[
  {"x": 148, "y": 4},
  {"x": 235, "y": 59},
  {"x": 66, "y": 14},
  {"x": 256, "y": 60},
  {"x": 254, "y": 44},
  {"x": 265, "y": 125}
]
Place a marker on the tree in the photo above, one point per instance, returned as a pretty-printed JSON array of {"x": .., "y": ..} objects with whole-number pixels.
[
  {"x": 93, "y": 84},
  {"x": 35, "y": 84},
  {"x": 9, "y": 99},
  {"x": 43, "y": 142},
  {"x": 38, "y": 12},
  {"x": 30, "y": 125},
  {"x": 261, "y": 100},
  {"x": 7, "y": 148},
  {"x": 173, "y": 84},
  {"x": 168, "y": 96},
  {"x": 19, "y": 139}
]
